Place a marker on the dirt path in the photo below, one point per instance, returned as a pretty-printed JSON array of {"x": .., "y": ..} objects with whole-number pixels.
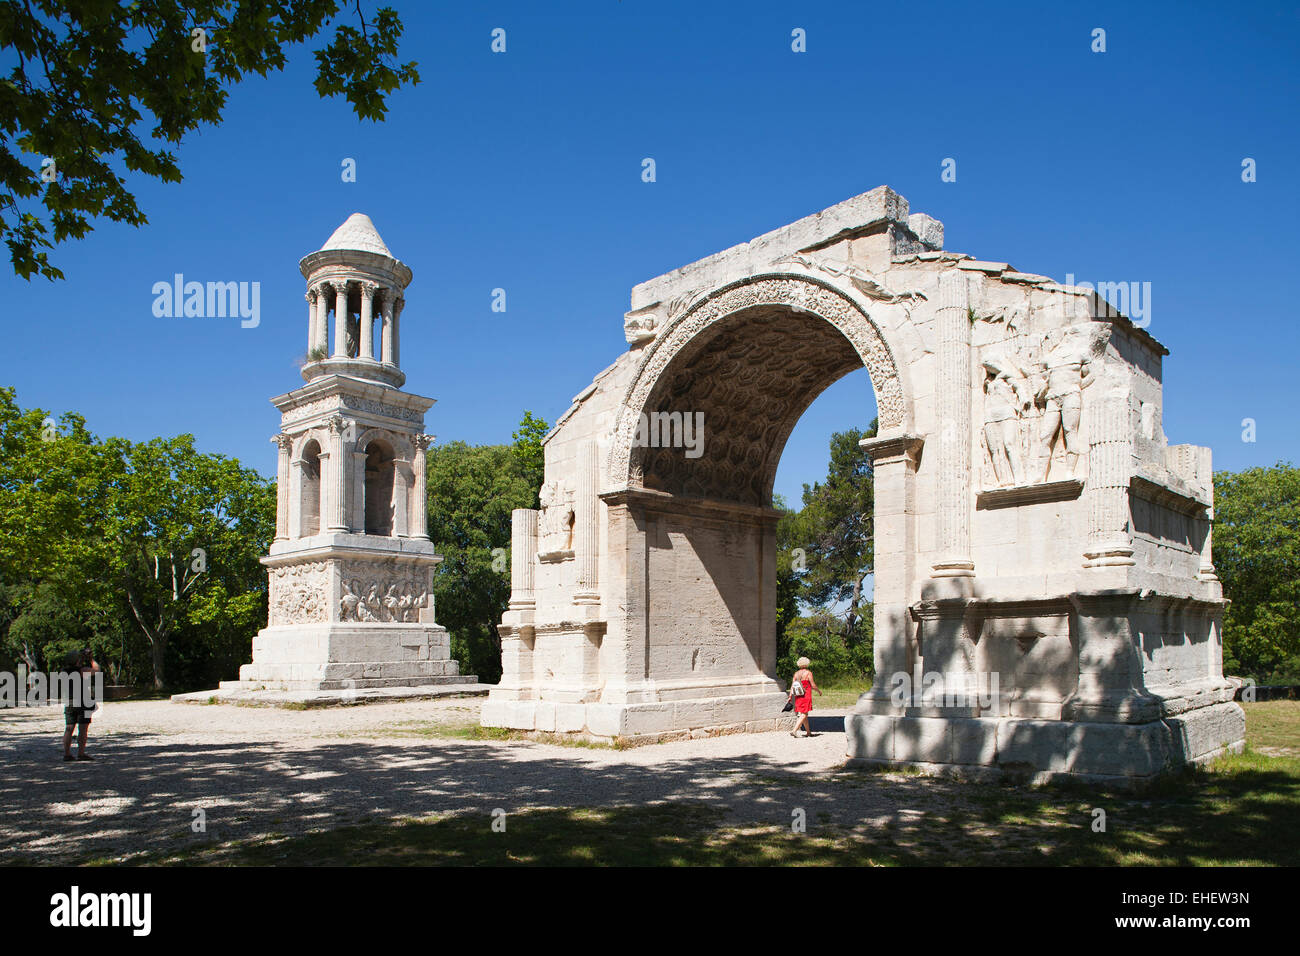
[{"x": 258, "y": 771}]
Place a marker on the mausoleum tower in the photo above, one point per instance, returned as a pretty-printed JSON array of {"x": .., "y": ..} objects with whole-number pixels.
[
  {"x": 351, "y": 566},
  {"x": 354, "y": 278}
]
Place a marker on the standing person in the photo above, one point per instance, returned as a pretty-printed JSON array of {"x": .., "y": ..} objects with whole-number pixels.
[
  {"x": 804, "y": 683},
  {"x": 77, "y": 712}
]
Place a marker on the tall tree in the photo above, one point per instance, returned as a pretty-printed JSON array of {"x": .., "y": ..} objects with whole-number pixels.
[
  {"x": 1257, "y": 557},
  {"x": 181, "y": 530},
  {"x": 98, "y": 87},
  {"x": 472, "y": 491}
]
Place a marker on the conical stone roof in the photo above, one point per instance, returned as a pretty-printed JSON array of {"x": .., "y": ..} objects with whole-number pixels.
[{"x": 359, "y": 234}]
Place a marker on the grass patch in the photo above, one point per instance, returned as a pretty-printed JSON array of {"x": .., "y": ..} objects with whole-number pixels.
[
  {"x": 474, "y": 731},
  {"x": 1274, "y": 724},
  {"x": 840, "y": 694}
]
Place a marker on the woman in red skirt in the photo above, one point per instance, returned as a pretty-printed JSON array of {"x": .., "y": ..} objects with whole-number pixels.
[{"x": 803, "y": 682}]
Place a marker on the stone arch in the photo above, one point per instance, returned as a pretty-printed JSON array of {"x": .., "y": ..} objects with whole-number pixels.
[
  {"x": 846, "y": 331},
  {"x": 380, "y": 486},
  {"x": 308, "y": 500}
]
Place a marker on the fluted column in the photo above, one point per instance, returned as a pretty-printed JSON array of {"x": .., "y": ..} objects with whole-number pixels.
[
  {"x": 953, "y": 392},
  {"x": 340, "y": 320},
  {"x": 284, "y": 443},
  {"x": 336, "y": 477},
  {"x": 419, "y": 518},
  {"x": 366, "y": 348},
  {"x": 523, "y": 554},
  {"x": 1110, "y": 451},
  {"x": 586, "y": 531}
]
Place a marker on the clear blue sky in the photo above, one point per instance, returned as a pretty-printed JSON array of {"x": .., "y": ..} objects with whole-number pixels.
[{"x": 522, "y": 171}]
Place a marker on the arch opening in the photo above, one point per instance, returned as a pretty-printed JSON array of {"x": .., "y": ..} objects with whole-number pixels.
[
  {"x": 718, "y": 418},
  {"x": 309, "y": 497},
  {"x": 379, "y": 488}
]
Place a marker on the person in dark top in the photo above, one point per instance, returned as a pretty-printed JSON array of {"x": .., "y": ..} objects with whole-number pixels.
[{"x": 76, "y": 714}]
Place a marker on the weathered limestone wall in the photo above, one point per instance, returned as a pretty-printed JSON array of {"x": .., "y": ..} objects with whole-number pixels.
[{"x": 1032, "y": 522}]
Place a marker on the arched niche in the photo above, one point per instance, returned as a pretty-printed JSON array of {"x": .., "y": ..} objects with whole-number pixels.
[{"x": 378, "y": 487}]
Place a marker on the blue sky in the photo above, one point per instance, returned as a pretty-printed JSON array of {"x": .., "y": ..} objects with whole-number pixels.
[{"x": 522, "y": 171}]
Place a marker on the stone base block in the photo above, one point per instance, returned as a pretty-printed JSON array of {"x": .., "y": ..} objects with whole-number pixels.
[
  {"x": 641, "y": 723},
  {"x": 350, "y": 656},
  {"x": 1047, "y": 749}
]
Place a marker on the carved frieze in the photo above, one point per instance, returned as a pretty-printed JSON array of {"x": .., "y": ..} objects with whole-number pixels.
[
  {"x": 299, "y": 594},
  {"x": 356, "y": 404},
  {"x": 382, "y": 591}
]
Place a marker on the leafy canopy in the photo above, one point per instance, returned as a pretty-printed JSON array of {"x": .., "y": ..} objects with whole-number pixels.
[{"x": 104, "y": 89}]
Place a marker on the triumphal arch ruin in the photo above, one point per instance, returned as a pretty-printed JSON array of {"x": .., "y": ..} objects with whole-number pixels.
[{"x": 1045, "y": 598}]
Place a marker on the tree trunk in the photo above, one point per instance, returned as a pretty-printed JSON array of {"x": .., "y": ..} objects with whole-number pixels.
[{"x": 159, "y": 649}]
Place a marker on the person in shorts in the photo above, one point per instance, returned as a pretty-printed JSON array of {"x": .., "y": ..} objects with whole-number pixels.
[{"x": 76, "y": 715}]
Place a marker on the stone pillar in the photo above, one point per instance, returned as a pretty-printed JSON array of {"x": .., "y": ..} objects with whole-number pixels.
[
  {"x": 366, "y": 347},
  {"x": 517, "y": 642},
  {"x": 1110, "y": 453},
  {"x": 359, "y": 489},
  {"x": 586, "y": 528},
  {"x": 419, "y": 518},
  {"x": 341, "y": 320},
  {"x": 523, "y": 556},
  {"x": 893, "y": 466},
  {"x": 953, "y": 391},
  {"x": 401, "y": 492},
  {"x": 626, "y": 641},
  {"x": 334, "y": 475},
  {"x": 1111, "y": 687},
  {"x": 1205, "y": 477},
  {"x": 294, "y": 503},
  {"x": 396, "y": 336},
  {"x": 285, "y": 444},
  {"x": 311, "y": 319},
  {"x": 386, "y": 333},
  {"x": 322, "y": 342}
]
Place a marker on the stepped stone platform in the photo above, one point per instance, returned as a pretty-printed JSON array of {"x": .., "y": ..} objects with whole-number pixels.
[{"x": 249, "y": 694}]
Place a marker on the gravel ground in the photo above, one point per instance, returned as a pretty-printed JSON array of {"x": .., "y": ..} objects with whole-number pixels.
[{"x": 258, "y": 771}]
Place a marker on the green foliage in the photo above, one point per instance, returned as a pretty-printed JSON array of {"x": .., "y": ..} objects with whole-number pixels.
[
  {"x": 528, "y": 450},
  {"x": 472, "y": 491},
  {"x": 148, "y": 552},
  {"x": 103, "y": 87},
  {"x": 1257, "y": 556},
  {"x": 820, "y": 637}
]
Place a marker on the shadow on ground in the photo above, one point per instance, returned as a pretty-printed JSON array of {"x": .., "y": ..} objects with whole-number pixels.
[{"x": 434, "y": 801}]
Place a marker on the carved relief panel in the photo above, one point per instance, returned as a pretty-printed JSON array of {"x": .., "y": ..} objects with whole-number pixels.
[
  {"x": 382, "y": 591},
  {"x": 1034, "y": 386},
  {"x": 299, "y": 594}
]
